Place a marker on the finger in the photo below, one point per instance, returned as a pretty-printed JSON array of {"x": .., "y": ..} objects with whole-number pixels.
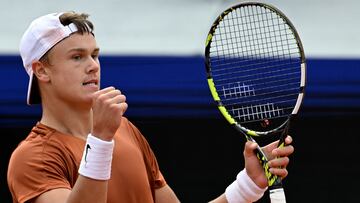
[
  {"x": 123, "y": 107},
  {"x": 281, "y": 172},
  {"x": 102, "y": 91},
  {"x": 108, "y": 96},
  {"x": 283, "y": 151},
  {"x": 107, "y": 89},
  {"x": 112, "y": 93},
  {"x": 288, "y": 140},
  {"x": 281, "y": 162},
  {"x": 268, "y": 149},
  {"x": 120, "y": 107},
  {"x": 117, "y": 99}
]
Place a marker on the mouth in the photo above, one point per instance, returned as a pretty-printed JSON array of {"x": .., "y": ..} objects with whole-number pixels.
[{"x": 91, "y": 83}]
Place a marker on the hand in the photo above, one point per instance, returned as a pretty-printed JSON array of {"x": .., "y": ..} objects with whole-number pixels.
[
  {"x": 108, "y": 107},
  {"x": 278, "y": 160}
]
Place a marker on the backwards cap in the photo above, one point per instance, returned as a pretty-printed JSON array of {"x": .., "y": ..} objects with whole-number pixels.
[{"x": 42, "y": 34}]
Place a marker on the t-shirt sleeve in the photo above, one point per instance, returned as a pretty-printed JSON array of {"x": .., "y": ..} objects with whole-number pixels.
[
  {"x": 152, "y": 165},
  {"x": 34, "y": 169}
]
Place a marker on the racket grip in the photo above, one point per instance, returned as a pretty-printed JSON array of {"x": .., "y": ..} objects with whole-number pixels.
[{"x": 277, "y": 195}]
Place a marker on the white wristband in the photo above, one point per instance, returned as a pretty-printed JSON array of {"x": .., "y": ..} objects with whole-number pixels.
[
  {"x": 243, "y": 189},
  {"x": 97, "y": 158}
]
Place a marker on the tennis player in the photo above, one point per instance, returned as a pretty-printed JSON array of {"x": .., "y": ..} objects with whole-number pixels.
[{"x": 83, "y": 149}]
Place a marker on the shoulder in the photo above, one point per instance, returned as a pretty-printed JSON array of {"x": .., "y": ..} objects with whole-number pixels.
[
  {"x": 40, "y": 162},
  {"x": 38, "y": 151},
  {"x": 46, "y": 150},
  {"x": 128, "y": 127},
  {"x": 128, "y": 131}
]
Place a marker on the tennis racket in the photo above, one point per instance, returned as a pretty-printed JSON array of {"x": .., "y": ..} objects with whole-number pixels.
[{"x": 256, "y": 67}]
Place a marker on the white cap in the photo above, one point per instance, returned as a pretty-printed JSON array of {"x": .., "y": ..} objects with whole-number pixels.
[{"x": 42, "y": 34}]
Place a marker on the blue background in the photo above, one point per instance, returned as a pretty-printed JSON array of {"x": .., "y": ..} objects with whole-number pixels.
[
  {"x": 169, "y": 101},
  {"x": 176, "y": 86}
]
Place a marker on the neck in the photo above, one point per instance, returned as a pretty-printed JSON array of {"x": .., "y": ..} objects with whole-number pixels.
[{"x": 67, "y": 118}]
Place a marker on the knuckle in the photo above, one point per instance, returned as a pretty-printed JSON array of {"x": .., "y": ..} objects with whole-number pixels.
[
  {"x": 285, "y": 173},
  {"x": 101, "y": 98}
]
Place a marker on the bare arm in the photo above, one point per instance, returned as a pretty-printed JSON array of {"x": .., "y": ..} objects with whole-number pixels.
[
  {"x": 165, "y": 195},
  {"x": 85, "y": 190},
  {"x": 220, "y": 199}
]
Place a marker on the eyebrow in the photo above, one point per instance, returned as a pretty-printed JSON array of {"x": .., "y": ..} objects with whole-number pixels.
[{"x": 83, "y": 50}]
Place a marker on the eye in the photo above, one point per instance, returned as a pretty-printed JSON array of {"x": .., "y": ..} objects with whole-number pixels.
[
  {"x": 95, "y": 56},
  {"x": 76, "y": 57}
]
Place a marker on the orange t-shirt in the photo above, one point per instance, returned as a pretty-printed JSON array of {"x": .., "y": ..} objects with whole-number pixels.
[{"x": 48, "y": 159}]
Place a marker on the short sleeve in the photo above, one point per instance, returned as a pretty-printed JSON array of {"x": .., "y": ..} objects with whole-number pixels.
[
  {"x": 152, "y": 165},
  {"x": 36, "y": 167}
]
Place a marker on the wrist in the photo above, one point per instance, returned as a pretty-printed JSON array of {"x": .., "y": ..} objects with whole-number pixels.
[
  {"x": 103, "y": 135},
  {"x": 97, "y": 158},
  {"x": 243, "y": 189}
]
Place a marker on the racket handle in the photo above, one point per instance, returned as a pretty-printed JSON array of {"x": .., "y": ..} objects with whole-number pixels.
[
  {"x": 273, "y": 180},
  {"x": 277, "y": 195}
]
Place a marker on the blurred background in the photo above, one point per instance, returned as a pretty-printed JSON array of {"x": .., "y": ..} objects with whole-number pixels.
[{"x": 152, "y": 50}]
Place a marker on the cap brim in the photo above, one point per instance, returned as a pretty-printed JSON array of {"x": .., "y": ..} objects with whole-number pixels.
[{"x": 33, "y": 95}]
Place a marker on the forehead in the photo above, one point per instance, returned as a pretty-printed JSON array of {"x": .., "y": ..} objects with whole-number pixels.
[{"x": 77, "y": 41}]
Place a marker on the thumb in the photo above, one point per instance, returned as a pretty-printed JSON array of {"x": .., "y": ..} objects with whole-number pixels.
[
  {"x": 249, "y": 149},
  {"x": 253, "y": 166}
]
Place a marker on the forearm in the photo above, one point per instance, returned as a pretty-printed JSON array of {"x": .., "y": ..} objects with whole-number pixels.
[
  {"x": 84, "y": 190},
  {"x": 165, "y": 195},
  {"x": 242, "y": 190},
  {"x": 94, "y": 171},
  {"x": 220, "y": 199},
  {"x": 88, "y": 190}
]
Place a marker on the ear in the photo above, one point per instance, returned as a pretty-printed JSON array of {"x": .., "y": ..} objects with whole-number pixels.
[{"x": 40, "y": 71}]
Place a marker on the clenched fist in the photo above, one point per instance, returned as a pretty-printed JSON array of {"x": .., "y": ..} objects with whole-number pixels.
[{"x": 108, "y": 107}]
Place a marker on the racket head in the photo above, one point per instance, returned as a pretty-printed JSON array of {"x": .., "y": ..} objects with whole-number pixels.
[{"x": 256, "y": 67}]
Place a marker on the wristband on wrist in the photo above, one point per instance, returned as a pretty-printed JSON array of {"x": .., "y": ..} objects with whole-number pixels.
[
  {"x": 97, "y": 158},
  {"x": 243, "y": 189}
]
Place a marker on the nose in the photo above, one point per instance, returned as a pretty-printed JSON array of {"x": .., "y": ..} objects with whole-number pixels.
[{"x": 94, "y": 65}]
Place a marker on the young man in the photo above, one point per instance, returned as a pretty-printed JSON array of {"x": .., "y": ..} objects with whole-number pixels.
[{"x": 83, "y": 149}]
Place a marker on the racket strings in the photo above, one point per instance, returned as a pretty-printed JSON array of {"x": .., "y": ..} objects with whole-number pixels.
[
  {"x": 221, "y": 54},
  {"x": 264, "y": 100},
  {"x": 221, "y": 63},
  {"x": 222, "y": 46},
  {"x": 229, "y": 29},
  {"x": 256, "y": 113},
  {"x": 242, "y": 90},
  {"x": 238, "y": 73},
  {"x": 229, "y": 64},
  {"x": 255, "y": 63},
  {"x": 236, "y": 93},
  {"x": 238, "y": 90},
  {"x": 280, "y": 98}
]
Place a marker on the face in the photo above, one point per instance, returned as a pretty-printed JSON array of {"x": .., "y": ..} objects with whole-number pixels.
[{"x": 74, "y": 70}]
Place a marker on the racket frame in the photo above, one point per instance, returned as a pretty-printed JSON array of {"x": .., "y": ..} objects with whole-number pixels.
[{"x": 274, "y": 182}]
